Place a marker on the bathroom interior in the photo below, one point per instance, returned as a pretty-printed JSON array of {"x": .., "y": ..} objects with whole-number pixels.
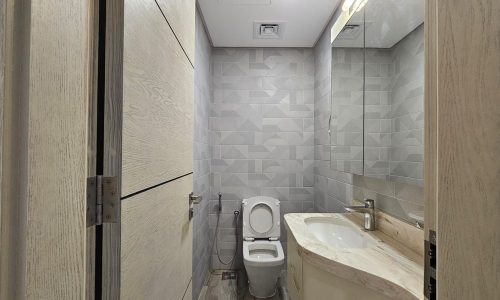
[
  {"x": 305, "y": 131},
  {"x": 250, "y": 149}
]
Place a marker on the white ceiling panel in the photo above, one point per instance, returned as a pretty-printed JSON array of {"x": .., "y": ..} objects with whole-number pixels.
[{"x": 231, "y": 22}]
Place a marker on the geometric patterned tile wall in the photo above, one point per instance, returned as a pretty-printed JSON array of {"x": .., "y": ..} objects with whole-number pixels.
[{"x": 262, "y": 133}]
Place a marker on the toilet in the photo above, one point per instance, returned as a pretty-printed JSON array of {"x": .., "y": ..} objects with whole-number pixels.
[{"x": 263, "y": 255}]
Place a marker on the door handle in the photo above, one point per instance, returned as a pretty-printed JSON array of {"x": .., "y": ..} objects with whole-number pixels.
[{"x": 192, "y": 201}]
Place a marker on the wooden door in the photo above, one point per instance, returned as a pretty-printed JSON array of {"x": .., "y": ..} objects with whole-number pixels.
[
  {"x": 47, "y": 148},
  {"x": 157, "y": 159},
  {"x": 463, "y": 145}
]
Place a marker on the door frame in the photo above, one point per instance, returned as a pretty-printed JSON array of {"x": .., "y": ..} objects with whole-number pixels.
[
  {"x": 110, "y": 102},
  {"x": 47, "y": 147}
]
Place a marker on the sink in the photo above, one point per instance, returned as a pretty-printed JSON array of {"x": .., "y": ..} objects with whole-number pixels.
[{"x": 338, "y": 233}]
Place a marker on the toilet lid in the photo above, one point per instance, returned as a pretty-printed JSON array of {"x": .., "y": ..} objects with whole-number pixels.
[{"x": 261, "y": 218}]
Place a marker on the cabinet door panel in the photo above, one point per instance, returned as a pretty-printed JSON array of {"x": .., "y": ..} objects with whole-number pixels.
[{"x": 294, "y": 276}]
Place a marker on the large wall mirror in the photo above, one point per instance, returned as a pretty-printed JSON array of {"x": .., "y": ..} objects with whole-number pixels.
[{"x": 377, "y": 104}]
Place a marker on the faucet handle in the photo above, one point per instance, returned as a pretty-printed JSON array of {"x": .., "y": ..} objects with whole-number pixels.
[{"x": 369, "y": 203}]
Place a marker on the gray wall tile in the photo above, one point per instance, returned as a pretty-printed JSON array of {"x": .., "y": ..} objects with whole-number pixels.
[{"x": 262, "y": 118}]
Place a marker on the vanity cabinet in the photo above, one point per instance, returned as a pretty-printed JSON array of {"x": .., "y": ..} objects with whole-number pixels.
[
  {"x": 294, "y": 269},
  {"x": 306, "y": 281}
]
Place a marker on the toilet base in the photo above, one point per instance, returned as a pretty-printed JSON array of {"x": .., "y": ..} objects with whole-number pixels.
[
  {"x": 263, "y": 262},
  {"x": 259, "y": 295},
  {"x": 263, "y": 282}
]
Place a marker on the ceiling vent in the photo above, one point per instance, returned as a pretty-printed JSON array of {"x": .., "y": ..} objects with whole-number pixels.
[
  {"x": 350, "y": 32},
  {"x": 268, "y": 30}
]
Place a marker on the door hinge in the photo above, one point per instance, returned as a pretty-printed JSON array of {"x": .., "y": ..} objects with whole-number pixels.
[
  {"x": 430, "y": 267},
  {"x": 103, "y": 200}
]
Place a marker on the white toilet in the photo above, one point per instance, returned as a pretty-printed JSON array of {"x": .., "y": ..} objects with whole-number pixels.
[{"x": 262, "y": 252}]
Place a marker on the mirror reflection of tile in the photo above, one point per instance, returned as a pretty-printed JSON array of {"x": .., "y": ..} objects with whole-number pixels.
[
  {"x": 393, "y": 110},
  {"x": 376, "y": 104}
]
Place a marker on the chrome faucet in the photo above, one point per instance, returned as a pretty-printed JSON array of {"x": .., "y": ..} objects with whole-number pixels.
[{"x": 368, "y": 210}]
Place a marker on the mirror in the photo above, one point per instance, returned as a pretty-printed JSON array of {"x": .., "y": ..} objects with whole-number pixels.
[
  {"x": 394, "y": 90},
  {"x": 347, "y": 103},
  {"x": 377, "y": 105}
]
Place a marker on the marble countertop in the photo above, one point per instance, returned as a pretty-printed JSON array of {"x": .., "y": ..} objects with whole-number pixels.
[{"x": 387, "y": 266}]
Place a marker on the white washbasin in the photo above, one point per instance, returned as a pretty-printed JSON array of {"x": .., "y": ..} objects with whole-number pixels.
[{"x": 338, "y": 233}]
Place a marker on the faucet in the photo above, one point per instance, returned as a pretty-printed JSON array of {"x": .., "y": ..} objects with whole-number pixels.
[{"x": 368, "y": 210}]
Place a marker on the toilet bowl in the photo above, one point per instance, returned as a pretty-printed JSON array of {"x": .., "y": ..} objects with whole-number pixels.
[
  {"x": 263, "y": 262},
  {"x": 263, "y": 254}
]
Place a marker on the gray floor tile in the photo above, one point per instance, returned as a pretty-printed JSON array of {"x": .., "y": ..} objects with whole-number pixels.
[{"x": 219, "y": 289}]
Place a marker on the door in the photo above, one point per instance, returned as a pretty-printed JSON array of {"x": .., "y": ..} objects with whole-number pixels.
[
  {"x": 63, "y": 121},
  {"x": 157, "y": 150},
  {"x": 463, "y": 146},
  {"x": 47, "y": 148}
]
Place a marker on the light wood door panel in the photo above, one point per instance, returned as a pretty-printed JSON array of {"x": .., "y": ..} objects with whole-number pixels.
[
  {"x": 157, "y": 242},
  {"x": 180, "y": 15},
  {"x": 468, "y": 209},
  {"x": 463, "y": 145},
  {"x": 188, "y": 294},
  {"x": 57, "y": 149},
  {"x": 48, "y": 77},
  {"x": 158, "y": 101}
]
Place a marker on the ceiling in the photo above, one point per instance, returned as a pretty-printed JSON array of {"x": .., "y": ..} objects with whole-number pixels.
[
  {"x": 386, "y": 23},
  {"x": 230, "y": 23}
]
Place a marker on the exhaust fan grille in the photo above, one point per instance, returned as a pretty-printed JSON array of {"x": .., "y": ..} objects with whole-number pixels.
[{"x": 268, "y": 30}]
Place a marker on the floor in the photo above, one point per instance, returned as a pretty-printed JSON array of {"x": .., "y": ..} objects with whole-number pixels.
[{"x": 223, "y": 285}]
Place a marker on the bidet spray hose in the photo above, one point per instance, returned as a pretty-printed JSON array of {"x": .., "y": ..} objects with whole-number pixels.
[{"x": 236, "y": 216}]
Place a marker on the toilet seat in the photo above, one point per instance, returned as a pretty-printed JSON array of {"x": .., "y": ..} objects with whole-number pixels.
[
  {"x": 261, "y": 218},
  {"x": 262, "y": 253}
]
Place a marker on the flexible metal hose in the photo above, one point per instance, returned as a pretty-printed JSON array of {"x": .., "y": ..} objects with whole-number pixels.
[{"x": 236, "y": 216}]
